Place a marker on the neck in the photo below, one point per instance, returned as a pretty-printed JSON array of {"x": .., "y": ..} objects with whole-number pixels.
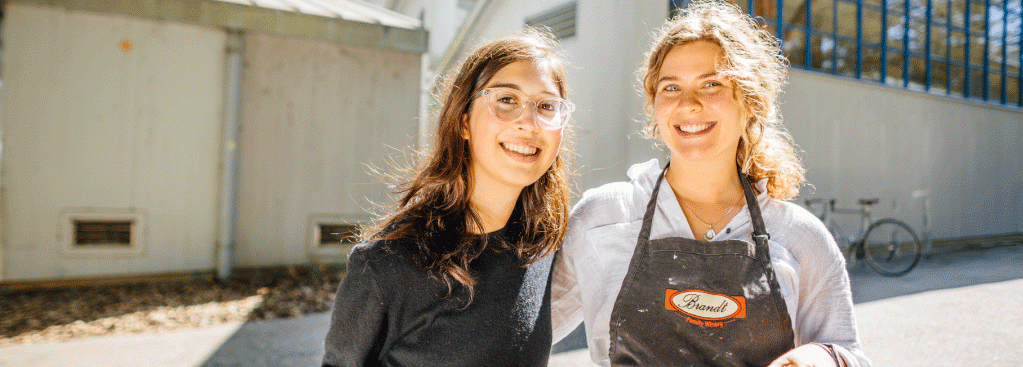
[
  {"x": 709, "y": 193},
  {"x": 493, "y": 204},
  {"x": 704, "y": 183}
]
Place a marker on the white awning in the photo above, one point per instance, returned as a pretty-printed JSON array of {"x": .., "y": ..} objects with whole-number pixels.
[
  {"x": 351, "y": 22},
  {"x": 354, "y": 10}
]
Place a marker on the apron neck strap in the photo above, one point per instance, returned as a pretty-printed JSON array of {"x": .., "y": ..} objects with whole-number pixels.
[
  {"x": 648, "y": 216},
  {"x": 760, "y": 235}
]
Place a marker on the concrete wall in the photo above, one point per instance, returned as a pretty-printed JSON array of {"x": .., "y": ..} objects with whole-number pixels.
[
  {"x": 94, "y": 124},
  {"x": 860, "y": 139},
  {"x": 316, "y": 116},
  {"x": 866, "y": 140}
]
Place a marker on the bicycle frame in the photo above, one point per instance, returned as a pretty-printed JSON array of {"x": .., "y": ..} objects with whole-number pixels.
[
  {"x": 886, "y": 252},
  {"x": 847, "y": 243}
]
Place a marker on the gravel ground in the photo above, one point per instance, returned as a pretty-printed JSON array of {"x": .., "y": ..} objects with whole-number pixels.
[{"x": 37, "y": 316}]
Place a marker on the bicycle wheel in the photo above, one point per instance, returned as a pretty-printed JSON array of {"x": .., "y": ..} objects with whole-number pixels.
[{"x": 891, "y": 247}]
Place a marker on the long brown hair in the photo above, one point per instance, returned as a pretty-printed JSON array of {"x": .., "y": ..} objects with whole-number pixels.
[
  {"x": 434, "y": 209},
  {"x": 752, "y": 60}
]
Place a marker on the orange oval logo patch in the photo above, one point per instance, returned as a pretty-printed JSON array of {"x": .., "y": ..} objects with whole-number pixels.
[{"x": 705, "y": 305}]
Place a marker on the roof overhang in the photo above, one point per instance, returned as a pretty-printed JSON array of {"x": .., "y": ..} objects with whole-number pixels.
[{"x": 348, "y": 22}]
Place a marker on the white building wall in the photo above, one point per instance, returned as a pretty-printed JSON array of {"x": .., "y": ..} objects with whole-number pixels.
[
  {"x": 860, "y": 140},
  {"x": 315, "y": 118},
  {"x": 91, "y": 126},
  {"x": 865, "y": 140}
]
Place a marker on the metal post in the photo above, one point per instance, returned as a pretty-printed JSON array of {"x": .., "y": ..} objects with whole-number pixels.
[
  {"x": 927, "y": 48},
  {"x": 987, "y": 44},
  {"x": 807, "y": 54},
  {"x": 1005, "y": 31},
  {"x": 834, "y": 36},
  {"x": 859, "y": 39},
  {"x": 905, "y": 45},
  {"x": 884, "y": 41},
  {"x": 966, "y": 50},
  {"x": 948, "y": 47},
  {"x": 779, "y": 22},
  {"x": 229, "y": 155}
]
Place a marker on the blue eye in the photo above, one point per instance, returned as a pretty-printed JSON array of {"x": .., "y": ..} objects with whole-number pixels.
[
  {"x": 672, "y": 88},
  {"x": 711, "y": 84}
]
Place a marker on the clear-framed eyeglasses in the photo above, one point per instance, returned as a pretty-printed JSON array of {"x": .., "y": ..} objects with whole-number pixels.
[{"x": 507, "y": 104}]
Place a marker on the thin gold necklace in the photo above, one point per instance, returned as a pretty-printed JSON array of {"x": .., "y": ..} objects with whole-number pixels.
[{"x": 710, "y": 228}]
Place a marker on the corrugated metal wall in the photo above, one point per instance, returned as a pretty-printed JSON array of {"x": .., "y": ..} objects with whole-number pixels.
[
  {"x": 315, "y": 117},
  {"x": 107, "y": 113},
  {"x": 115, "y": 115}
]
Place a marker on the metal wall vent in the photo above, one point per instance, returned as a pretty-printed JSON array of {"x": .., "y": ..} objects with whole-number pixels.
[
  {"x": 103, "y": 233},
  {"x": 338, "y": 234},
  {"x": 560, "y": 20}
]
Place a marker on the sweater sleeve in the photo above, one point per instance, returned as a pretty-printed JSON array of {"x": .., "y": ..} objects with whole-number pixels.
[{"x": 358, "y": 323}]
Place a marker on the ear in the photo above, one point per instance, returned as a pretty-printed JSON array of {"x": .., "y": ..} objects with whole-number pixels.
[{"x": 465, "y": 126}]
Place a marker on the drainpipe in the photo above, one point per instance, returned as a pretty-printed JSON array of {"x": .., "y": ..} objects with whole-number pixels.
[{"x": 229, "y": 156}]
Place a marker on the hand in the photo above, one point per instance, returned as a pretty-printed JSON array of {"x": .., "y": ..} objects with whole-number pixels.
[{"x": 806, "y": 355}]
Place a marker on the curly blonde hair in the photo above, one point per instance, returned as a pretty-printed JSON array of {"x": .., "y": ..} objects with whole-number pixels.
[{"x": 752, "y": 59}]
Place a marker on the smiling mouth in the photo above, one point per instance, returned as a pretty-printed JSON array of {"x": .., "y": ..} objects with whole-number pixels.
[
  {"x": 694, "y": 129},
  {"x": 520, "y": 149}
]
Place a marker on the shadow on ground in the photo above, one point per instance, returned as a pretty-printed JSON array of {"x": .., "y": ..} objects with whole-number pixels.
[{"x": 945, "y": 271}]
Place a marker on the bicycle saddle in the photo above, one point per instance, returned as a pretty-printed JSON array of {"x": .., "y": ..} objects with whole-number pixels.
[{"x": 869, "y": 201}]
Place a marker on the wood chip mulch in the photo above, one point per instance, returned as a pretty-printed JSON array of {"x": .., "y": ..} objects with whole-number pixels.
[{"x": 53, "y": 315}]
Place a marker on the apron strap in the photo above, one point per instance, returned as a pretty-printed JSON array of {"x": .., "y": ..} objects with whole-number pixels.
[
  {"x": 648, "y": 216},
  {"x": 760, "y": 235}
]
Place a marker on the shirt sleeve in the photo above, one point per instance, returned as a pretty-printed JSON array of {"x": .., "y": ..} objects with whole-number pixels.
[
  {"x": 357, "y": 324},
  {"x": 566, "y": 302},
  {"x": 825, "y": 312}
]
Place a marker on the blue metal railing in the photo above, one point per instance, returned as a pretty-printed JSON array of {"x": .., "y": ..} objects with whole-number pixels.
[{"x": 922, "y": 27}]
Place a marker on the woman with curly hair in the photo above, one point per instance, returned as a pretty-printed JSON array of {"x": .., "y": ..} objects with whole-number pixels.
[
  {"x": 703, "y": 262},
  {"x": 459, "y": 273}
]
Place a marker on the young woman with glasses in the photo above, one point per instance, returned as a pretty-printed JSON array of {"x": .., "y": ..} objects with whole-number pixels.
[
  {"x": 701, "y": 262},
  {"x": 458, "y": 274}
]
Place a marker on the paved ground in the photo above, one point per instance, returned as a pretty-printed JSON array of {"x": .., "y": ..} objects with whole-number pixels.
[{"x": 954, "y": 310}]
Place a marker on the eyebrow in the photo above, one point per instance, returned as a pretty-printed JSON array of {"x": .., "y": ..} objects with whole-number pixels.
[
  {"x": 672, "y": 78},
  {"x": 516, "y": 87}
]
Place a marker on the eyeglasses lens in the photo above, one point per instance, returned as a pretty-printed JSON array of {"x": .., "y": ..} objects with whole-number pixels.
[{"x": 507, "y": 105}]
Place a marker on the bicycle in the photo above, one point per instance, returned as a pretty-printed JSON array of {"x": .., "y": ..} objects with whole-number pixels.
[{"x": 889, "y": 246}]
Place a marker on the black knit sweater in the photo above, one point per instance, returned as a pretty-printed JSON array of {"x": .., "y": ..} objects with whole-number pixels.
[{"x": 390, "y": 312}]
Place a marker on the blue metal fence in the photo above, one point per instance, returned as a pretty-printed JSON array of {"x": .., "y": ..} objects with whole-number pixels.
[{"x": 965, "y": 48}]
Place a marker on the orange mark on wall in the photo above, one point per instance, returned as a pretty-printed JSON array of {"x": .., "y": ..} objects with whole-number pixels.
[{"x": 125, "y": 45}]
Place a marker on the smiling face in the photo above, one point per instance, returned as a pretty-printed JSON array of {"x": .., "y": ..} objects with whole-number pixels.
[
  {"x": 698, "y": 113},
  {"x": 512, "y": 154}
]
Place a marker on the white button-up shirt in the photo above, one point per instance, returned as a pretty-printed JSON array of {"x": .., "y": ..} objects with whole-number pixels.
[{"x": 602, "y": 235}]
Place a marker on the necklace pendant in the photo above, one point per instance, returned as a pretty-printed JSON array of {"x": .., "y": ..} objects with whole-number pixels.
[{"x": 709, "y": 234}]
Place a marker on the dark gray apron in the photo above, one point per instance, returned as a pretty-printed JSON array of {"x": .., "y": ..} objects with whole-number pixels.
[{"x": 689, "y": 303}]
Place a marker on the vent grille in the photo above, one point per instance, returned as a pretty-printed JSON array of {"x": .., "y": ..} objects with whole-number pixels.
[
  {"x": 561, "y": 20},
  {"x": 338, "y": 234},
  {"x": 103, "y": 233}
]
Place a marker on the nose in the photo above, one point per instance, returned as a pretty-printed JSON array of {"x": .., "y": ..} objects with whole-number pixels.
[
  {"x": 527, "y": 119},
  {"x": 689, "y": 102}
]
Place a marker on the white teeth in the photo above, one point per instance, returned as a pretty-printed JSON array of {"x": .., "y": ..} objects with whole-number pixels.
[
  {"x": 521, "y": 149},
  {"x": 694, "y": 128}
]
